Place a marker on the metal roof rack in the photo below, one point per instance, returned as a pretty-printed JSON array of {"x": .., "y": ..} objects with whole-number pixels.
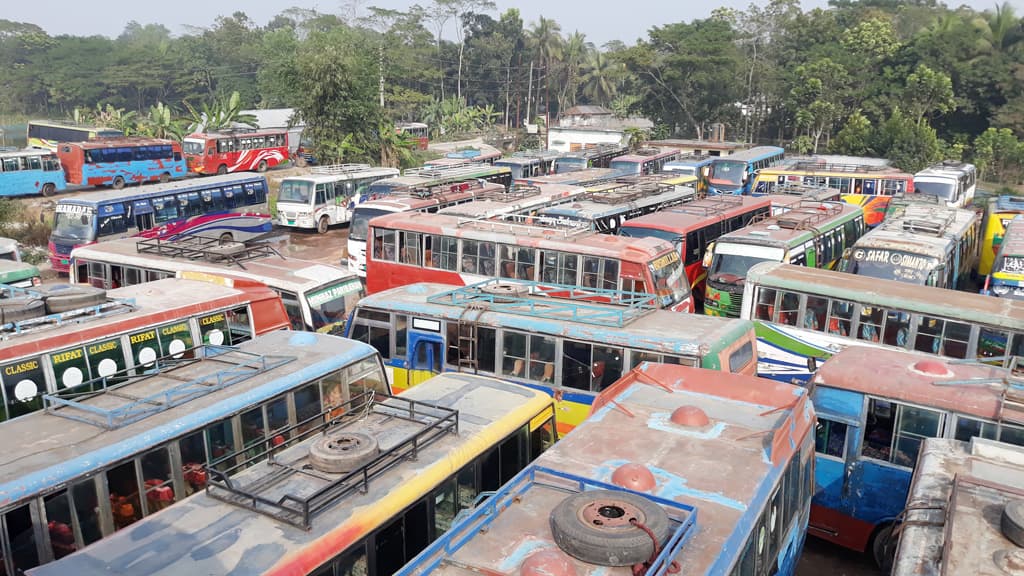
[
  {"x": 441, "y": 171},
  {"x": 112, "y": 307},
  {"x": 526, "y": 225},
  {"x": 326, "y": 489},
  {"x": 208, "y": 249},
  {"x": 708, "y": 206},
  {"x": 802, "y": 215},
  {"x": 801, "y": 189},
  {"x": 115, "y": 407},
  {"x": 598, "y": 306},
  {"x": 918, "y": 219},
  {"x": 629, "y": 193},
  {"x": 339, "y": 169},
  {"x": 812, "y": 167}
]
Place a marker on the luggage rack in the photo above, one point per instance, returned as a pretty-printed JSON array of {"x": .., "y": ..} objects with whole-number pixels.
[
  {"x": 597, "y": 306},
  {"x": 517, "y": 192},
  {"x": 208, "y": 249},
  {"x": 337, "y": 169},
  {"x": 708, "y": 206},
  {"x": 922, "y": 219},
  {"x": 526, "y": 225},
  {"x": 114, "y": 407},
  {"x": 812, "y": 167},
  {"x": 298, "y": 509},
  {"x": 630, "y": 193},
  {"x": 801, "y": 215},
  {"x": 112, "y": 307}
]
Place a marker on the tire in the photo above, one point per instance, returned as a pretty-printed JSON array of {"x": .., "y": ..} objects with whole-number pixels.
[
  {"x": 593, "y": 527},
  {"x": 63, "y": 297},
  {"x": 117, "y": 183},
  {"x": 164, "y": 178},
  {"x": 21, "y": 308},
  {"x": 226, "y": 238},
  {"x": 322, "y": 224},
  {"x": 883, "y": 549},
  {"x": 1012, "y": 522},
  {"x": 262, "y": 166},
  {"x": 48, "y": 189},
  {"x": 343, "y": 452},
  {"x": 222, "y": 169}
]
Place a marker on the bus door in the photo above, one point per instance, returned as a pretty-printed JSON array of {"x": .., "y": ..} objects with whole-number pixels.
[
  {"x": 143, "y": 215},
  {"x": 426, "y": 356}
]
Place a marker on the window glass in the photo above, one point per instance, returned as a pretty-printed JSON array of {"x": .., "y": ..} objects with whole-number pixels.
[
  {"x": 59, "y": 524},
  {"x": 445, "y": 506},
  {"x": 466, "y": 479},
  {"x": 897, "y": 328},
  {"x": 384, "y": 245},
  {"x": 220, "y": 439},
  {"x": 967, "y": 428},
  {"x": 815, "y": 312},
  {"x": 576, "y": 364},
  {"x": 22, "y": 539},
  {"x": 878, "y": 430},
  {"x": 401, "y": 335},
  {"x": 915, "y": 424},
  {"x": 193, "y": 462},
  {"x": 333, "y": 392},
  {"x": 307, "y": 407},
  {"x": 929, "y": 335},
  {"x": 124, "y": 494},
  {"x": 542, "y": 438},
  {"x": 1011, "y": 434},
  {"x": 741, "y": 357},
  {"x": 253, "y": 427},
  {"x": 156, "y": 476},
  {"x": 559, "y": 267},
  {"x": 871, "y": 319},
  {"x": 277, "y": 416},
  {"x": 517, "y": 262},
  {"x": 513, "y": 455},
  {"x": 637, "y": 357},
  {"x": 514, "y": 354},
  {"x": 830, "y": 438},
  {"x": 478, "y": 258},
  {"x": 411, "y": 248},
  {"x": 175, "y": 339},
  {"x": 87, "y": 509},
  {"x": 362, "y": 381},
  {"x": 606, "y": 367},
  {"x": 765, "y": 307},
  {"x": 441, "y": 252},
  {"x": 955, "y": 339},
  {"x": 542, "y": 358},
  {"x": 789, "y": 308}
]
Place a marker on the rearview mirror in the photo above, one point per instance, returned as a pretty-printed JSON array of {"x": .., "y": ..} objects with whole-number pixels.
[
  {"x": 709, "y": 253},
  {"x": 812, "y": 364}
]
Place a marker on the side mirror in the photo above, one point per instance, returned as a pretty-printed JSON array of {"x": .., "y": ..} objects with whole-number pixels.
[
  {"x": 705, "y": 170},
  {"x": 745, "y": 176},
  {"x": 812, "y": 364},
  {"x": 709, "y": 253}
]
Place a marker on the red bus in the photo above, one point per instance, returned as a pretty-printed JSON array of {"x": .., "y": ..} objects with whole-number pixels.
[
  {"x": 418, "y": 132},
  {"x": 223, "y": 152},
  {"x": 59, "y": 337},
  {"x": 118, "y": 161},
  {"x": 419, "y": 247},
  {"x": 691, "y": 227},
  {"x": 644, "y": 161}
]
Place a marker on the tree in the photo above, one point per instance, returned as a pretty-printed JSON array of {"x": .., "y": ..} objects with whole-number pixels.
[
  {"x": 220, "y": 114},
  {"x": 601, "y": 77},
  {"x": 909, "y": 144},
  {"x": 547, "y": 43},
  {"x": 928, "y": 92},
  {"x": 999, "y": 155},
  {"x": 574, "y": 52},
  {"x": 855, "y": 137},
  {"x": 818, "y": 97}
]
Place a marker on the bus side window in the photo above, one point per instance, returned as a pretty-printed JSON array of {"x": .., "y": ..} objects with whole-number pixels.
[
  {"x": 870, "y": 327},
  {"x": 21, "y": 540},
  {"x": 513, "y": 354},
  {"x": 766, "y": 303},
  {"x": 830, "y": 438}
]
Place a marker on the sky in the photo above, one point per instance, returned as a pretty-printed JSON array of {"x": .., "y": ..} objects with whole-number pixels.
[{"x": 601, "y": 21}]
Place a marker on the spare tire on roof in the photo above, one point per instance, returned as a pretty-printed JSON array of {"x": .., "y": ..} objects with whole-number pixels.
[
  {"x": 597, "y": 527},
  {"x": 63, "y": 297},
  {"x": 343, "y": 452},
  {"x": 20, "y": 308}
]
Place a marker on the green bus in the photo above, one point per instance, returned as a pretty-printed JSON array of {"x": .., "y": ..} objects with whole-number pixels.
[{"x": 809, "y": 233}]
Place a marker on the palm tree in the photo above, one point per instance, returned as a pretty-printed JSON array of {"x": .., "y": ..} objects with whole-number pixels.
[
  {"x": 575, "y": 51},
  {"x": 546, "y": 39},
  {"x": 600, "y": 78},
  {"x": 395, "y": 147},
  {"x": 1002, "y": 26}
]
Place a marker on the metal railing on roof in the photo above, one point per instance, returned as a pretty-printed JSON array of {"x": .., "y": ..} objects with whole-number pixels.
[
  {"x": 526, "y": 225},
  {"x": 112, "y": 307},
  {"x": 339, "y": 169},
  {"x": 119, "y": 407},
  {"x": 445, "y": 171},
  {"x": 208, "y": 249},
  {"x": 708, "y": 206},
  {"x": 811, "y": 167}
]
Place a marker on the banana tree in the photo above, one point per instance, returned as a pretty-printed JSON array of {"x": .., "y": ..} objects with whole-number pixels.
[{"x": 220, "y": 115}]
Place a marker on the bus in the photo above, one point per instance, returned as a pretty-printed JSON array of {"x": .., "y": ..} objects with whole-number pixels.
[
  {"x": 115, "y": 162},
  {"x": 529, "y": 163},
  {"x": 223, "y": 152},
  {"x": 48, "y": 134},
  {"x": 802, "y": 313},
  {"x": 958, "y": 491},
  {"x": 951, "y": 180},
  {"x": 582, "y": 177},
  {"x": 642, "y": 459},
  {"x": 810, "y": 233},
  {"x": 693, "y": 165},
  {"x": 869, "y": 186},
  {"x": 316, "y": 296},
  {"x": 998, "y": 214},
  {"x": 426, "y": 177},
  {"x": 920, "y": 244},
  {"x": 644, "y": 161},
  {"x": 1007, "y": 277},
  {"x": 417, "y": 247},
  {"x": 360, "y": 494},
  {"x": 734, "y": 174},
  {"x": 228, "y": 208},
  {"x": 607, "y": 207},
  {"x": 417, "y": 132},
  {"x": 599, "y": 156},
  {"x": 29, "y": 171},
  {"x": 18, "y": 274},
  {"x": 542, "y": 337},
  {"x": 874, "y": 409},
  {"x": 465, "y": 156},
  {"x": 428, "y": 200},
  {"x": 691, "y": 227},
  {"x": 151, "y": 437},
  {"x": 58, "y": 337},
  {"x": 326, "y": 196},
  {"x": 521, "y": 199}
]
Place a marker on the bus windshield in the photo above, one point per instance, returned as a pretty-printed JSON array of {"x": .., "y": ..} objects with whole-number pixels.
[
  {"x": 192, "y": 146},
  {"x": 732, "y": 261},
  {"x": 328, "y": 305},
  {"x": 941, "y": 189},
  {"x": 570, "y": 164},
  {"x": 624, "y": 165},
  {"x": 892, "y": 265},
  {"x": 670, "y": 282},
  {"x": 641, "y": 232},
  {"x": 296, "y": 191},
  {"x": 77, "y": 227},
  {"x": 382, "y": 188},
  {"x": 728, "y": 172},
  {"x": 360, "y": 225}
]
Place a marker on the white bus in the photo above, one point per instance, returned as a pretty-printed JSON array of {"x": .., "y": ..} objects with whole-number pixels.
[
  {"x": 951, "y": 180},
  {"x": 327, "y": 195}
]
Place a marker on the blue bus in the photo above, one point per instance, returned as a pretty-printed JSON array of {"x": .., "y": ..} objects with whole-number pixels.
[
  {"x": 715, "y": 468},
  {"x": 118, "y": 161},
  {"x": 32, "y": 171},
  {"x": 693, "y": 165},
  {"x": 735, "y": 174},
  {"x": 600, "y": 156}
]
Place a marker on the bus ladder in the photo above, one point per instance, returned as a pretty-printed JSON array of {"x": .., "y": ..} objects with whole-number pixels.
[{"x": 467, "y": 336}]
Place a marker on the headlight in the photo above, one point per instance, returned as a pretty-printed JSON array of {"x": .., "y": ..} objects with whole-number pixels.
[{"x": 1001, "y": 290}]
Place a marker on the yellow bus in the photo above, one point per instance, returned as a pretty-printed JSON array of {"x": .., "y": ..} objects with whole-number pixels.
[{"x": 998, "y": 214}]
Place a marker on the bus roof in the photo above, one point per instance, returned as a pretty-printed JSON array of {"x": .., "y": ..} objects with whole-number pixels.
[
  {"x": 325, "y": 176},
  {"x": 755, "y": 153},
  {"x": 802, "y": 219},
  {"x": 660, "y": 331},
  {"x": 1005, "y": 312},
  {"x": 838, "y": 166},
  {"x": 120, "y": 142},
  {"x": 920, "y": 229},
  {"x": 715, "y": 208},
  {"x": 277, "y": 271},
  {"x": 150, "y": 190},
  {"x": 486, "y": 410},
  {"x": 237, "y": 133},
  {"x": 518, "y": 200},
  {"x": 720, "y": 473},
  {"x": 26, "y": 152},
  {"x": 924, "y": 379},
  {"x": 48, "y": 448},
  {"x": 645, "y": 154},
  {"x": 1014, "y": 204},
  {"x": 1013, "y": 238},
  {"x": 601, "y": 204},
  {"x": 14, "y": 271},
  {"x": 946, "y": 169},
  {"x": 421, "y": 199},
  {"x": 584, "y": 175}
]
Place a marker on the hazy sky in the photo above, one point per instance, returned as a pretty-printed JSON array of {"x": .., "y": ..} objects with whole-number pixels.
[{"x": 600, "y": 20}]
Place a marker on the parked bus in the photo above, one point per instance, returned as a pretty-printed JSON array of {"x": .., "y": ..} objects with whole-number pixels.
[
  {"x": 418, "y": 247},
  {"x": 951, "y": 180},
  {"x": 607, "y": 207},
  {"x": 520, "y": 199},
  {"x": 642, "y": 459},
  {"x": 874, "y": 409},
  {"x": 811, "y": 233},
  {"x": 25, "y": 172},
  {"x": 224, "y": 152},
  {"x": 599, "y": 156},
  {"x": 691, "y": 227},
  {"x": 803, "y": 313},
  {"x": 734, "y": 174},
  {"x": 227, "y": 207},
  {"x": 360, "y": 494},
  {"x": 958, "y": 491},
  {"x": 582, "y": 177},
  {"x": 327, "y": 195},
  {"x": 644, "y": 161},
  {"x": 430, "y": 200},
  {"x": 426, "y": 177},
  {"x": 154, "y": 439},
  {"x": 417, "y": 132},
  {"x": 998, "y": 214},
  {"x": 316, "y": 296},
  {"x": 465, "y": 156},
  {"x": 528, "y": 164},
  {"x": 869, "y": 186},
  {"x": 18, "y": 274},
  {"x": 924, "y": 245},
  {"x": 695, "y": 165},
  {"x": 548, "y": 338},
  {"x": 56, "y": 338},
  {"x": 48, "y": 134},
  {"x": 115, "y": 162},
  {"x": 1007, "y": 277}
]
